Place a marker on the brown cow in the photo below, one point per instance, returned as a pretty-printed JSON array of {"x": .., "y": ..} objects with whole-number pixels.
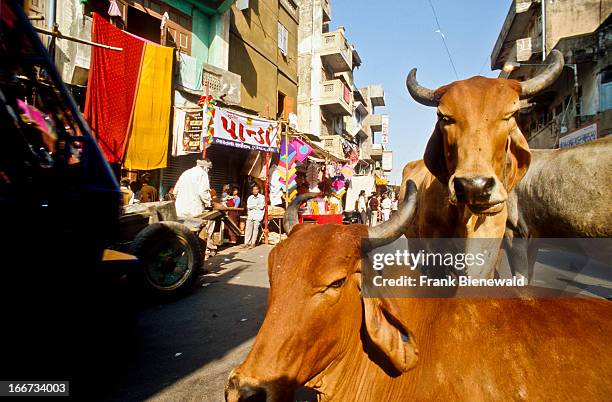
[
  {"x": 478, "y": 154},
  {"x": 319, "y": 332}
]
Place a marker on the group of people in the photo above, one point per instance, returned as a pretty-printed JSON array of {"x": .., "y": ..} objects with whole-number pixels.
[
  {"x": 375, "y": 208},
  {"x": 138, "y": 191},
  {"x": 255, "y": 207}
]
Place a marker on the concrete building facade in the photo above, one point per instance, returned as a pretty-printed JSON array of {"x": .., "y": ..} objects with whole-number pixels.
[
  {"x": 263, "y": 51},
  {"x": 578, "y": 106},
  {"x": 329, "y": 104}
]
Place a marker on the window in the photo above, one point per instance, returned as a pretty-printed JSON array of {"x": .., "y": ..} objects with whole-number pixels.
[
  {"x": 605, "y": 91},
  {"x": 283, "y": 39},
  {"x": 280, "y": 105}
]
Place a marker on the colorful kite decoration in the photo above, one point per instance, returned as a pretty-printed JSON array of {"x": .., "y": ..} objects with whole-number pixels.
[
  {"x": 347, "y": 172},
  {"x": 301, "y": 148},
  {"x": 287, "y": 170},
  {"x": 209, "y": 113}
]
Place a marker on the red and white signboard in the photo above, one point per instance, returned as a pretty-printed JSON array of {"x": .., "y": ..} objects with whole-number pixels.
[
  {"x": 241, "y": 130},
  {"x": 384, "y": 138}
]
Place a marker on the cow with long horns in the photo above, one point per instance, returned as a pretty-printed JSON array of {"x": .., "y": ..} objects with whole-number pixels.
[
  {"x": 320, "y": 332},
  {"x": 476, "y": 155}
]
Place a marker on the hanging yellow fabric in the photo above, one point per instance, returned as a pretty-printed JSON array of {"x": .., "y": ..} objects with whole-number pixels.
[{"x": 148, "y": 142}]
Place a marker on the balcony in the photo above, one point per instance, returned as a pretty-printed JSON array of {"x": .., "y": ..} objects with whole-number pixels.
[
  {"x": 375, "y": 122},
  {"x": 517, "y": 21},
  {"x": 326, "y": 11},
  {"x": 222, "y": 84},
  {"x": 377, "y": 95},
  {"x": 376, "y": 151},
  {"x": 361, "y": 107},
  {"x": 336, "y": 98},
  {"x": 527, "y": 47},
  {"x": 358, "y": 96},
  {"x": 335, "y": 51}
]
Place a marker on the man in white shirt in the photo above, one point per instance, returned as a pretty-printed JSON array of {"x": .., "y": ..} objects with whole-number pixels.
[
  {"x": 192, "y": 190},
  {"x": 385, "y": 207},
  {"x": 362, "y": 208},
  {"x": 255, "y": 214}
]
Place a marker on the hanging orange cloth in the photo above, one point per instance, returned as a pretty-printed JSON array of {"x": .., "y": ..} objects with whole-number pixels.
[{"x": 148, "y": 140}]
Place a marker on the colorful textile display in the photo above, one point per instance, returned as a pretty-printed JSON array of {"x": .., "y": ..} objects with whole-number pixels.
[
  {"x": 301, "y": 148},
  {"x": 128, "y": 96},
  {"x": 338, "y": 188},
  {"x": 148, "y": 139},
  {"x": 313, "y": 176},
  {"x": 111, "y": 88},
  {"x": 190, "y": 72}
]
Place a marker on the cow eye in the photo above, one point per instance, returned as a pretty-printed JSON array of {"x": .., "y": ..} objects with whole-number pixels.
[
  {"x": 444, "y": 118},
  {"x": 337, "y": 284}
]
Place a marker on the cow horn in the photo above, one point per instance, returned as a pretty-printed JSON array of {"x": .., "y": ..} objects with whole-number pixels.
[
  {"x": 291, "y": 214},
  {"x": 424, "y": 96},
  {"x": 392, "y": 229},
  {"x": 543, "y": 80}
]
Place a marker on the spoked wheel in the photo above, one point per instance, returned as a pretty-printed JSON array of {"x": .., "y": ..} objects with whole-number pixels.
[{"x": 170, "y": 258}]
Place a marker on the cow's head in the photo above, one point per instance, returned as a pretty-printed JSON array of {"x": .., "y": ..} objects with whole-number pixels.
[
  {"x": 476, "y": 147},
  {"x": 315, "y": 311}
]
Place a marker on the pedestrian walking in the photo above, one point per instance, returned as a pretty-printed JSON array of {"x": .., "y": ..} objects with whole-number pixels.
[
  {"x": 385, "y": 207},
  {"x": 374, "y": 209},
  {"x": 362, "y": 208},
  {"x": 255, "y": 214}
]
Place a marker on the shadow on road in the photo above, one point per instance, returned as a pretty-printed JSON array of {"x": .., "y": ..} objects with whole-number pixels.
[{"x": 174, "y": 340}]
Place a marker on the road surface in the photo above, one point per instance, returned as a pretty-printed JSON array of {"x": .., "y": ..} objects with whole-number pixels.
[{"x": 184, "y": 350}]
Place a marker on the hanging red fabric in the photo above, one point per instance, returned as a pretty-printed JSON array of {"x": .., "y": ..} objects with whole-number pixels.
[{"x": 111, "y": 87}]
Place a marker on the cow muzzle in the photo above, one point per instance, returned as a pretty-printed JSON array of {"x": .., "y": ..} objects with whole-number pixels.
[
  {"x": 239, "y": 389},
  {"x": 481, "y": 194},
  {"x": 242, "y": 388}
]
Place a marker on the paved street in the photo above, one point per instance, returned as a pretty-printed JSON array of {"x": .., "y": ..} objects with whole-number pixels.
[{"x": 186, "y": 348}]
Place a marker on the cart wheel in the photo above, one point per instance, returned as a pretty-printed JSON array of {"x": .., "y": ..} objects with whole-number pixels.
[{"x": 170, "y": 258}]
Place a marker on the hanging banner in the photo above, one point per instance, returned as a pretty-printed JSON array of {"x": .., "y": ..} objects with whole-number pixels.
[
  {"x": 244, "y": 131},
  {"x": 384, "y": 138}
]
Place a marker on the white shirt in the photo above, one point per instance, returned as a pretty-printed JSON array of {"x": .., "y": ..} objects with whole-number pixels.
[
  {"x": 361, "y": 204},
  {"x": 192, "y": 192},
  {"x": 255, "y": 207},
  {"x": 386, "y": 204}
]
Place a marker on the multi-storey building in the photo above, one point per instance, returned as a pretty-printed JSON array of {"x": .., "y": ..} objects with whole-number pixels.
[
  {"x": 330, "y": 106},
  {"x": 578, "y": 106},
  {"x": 263, "y": 51}
]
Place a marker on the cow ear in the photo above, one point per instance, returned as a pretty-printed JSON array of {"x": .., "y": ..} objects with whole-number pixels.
[
  {"x": 383, "y": 330},
  {"x": 520, "y": 158},
  {"x": 434, "y": 157}
]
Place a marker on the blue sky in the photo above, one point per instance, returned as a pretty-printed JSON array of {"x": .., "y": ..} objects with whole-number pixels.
[{"x": 392, "y": 36}]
